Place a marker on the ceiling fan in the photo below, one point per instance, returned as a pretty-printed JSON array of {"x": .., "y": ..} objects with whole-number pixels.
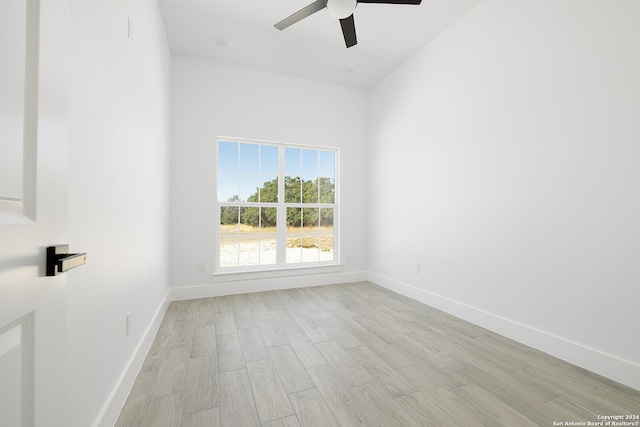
[{"x": 339, "y": 9}]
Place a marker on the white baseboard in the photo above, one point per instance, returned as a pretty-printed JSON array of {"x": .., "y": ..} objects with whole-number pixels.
[
  {"x": 111, "y": 409},
  {"x": 264, "y": 284},
  {"x": 607, "y": 365}
]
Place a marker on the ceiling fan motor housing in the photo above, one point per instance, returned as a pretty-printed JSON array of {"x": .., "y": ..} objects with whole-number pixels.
[{"x": 341, "y": 9}]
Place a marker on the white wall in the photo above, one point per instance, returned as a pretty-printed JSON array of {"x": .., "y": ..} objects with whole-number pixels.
[
  {"x": 210, "y": 99},
  {"x": 504, "y": 159},
  {"x": 118, "y": 193}
]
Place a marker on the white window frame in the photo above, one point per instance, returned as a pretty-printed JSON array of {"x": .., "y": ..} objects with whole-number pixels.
[{"x": 281, "y": 235}]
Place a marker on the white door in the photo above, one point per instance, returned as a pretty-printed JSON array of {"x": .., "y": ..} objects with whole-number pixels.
[{"x": 33, "y": 201}]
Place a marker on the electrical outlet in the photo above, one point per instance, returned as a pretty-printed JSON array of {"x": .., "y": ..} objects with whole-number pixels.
[
  {"x": 127, "y": 323},
  {"x": 417, "y": 269},
  {"x": 349, "y": 258},
  {"x": 202, "y": 267},
  {"x": 130, "y": 30}
]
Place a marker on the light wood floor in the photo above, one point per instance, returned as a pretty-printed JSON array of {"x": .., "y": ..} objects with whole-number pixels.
[{"x": 351, "y": 355}]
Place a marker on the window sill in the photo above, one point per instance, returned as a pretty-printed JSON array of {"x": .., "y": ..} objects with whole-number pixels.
[{"x": 232, "y": 276}]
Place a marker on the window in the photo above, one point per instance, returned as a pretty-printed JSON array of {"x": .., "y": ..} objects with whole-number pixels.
[{"x": 277, "y": 206}]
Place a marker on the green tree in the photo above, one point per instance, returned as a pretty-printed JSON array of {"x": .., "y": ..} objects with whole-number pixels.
[
  {"x": 292, "y": 189},
  {"x": 250, "y": 216},
  {"x": 312, "y": 191},
  {"x": 229, "y": 214},
  {"x": 267, "y": 194},
  {"x": 294, "y": 217},
  {"x": 327, "y": 190},
  {"x": 326, "y": 217}
]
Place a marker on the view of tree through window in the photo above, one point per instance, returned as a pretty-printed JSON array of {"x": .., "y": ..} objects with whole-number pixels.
[{"x": 277, "y": 204}]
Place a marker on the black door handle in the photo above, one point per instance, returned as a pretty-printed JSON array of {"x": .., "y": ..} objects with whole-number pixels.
[{"x": 59, "y": 260}]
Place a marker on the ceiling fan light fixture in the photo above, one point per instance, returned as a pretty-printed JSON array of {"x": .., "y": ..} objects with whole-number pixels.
[{"x": 341, "y": 9}]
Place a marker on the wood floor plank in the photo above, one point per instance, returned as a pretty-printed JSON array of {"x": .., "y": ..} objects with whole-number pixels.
[
  {"x": 169, "y": 318},
  {"x": 353, "y": 305},
  {"x": 305, "y": 350},
  {"x": 164, "y": 411},
  {"x": 172, "y": 372},
  {"x": 392, "y": 380},
  {"x": 223, "y": 304},
  {"x": 491, "y": 409},
  {"x": 340, "y": 333},
  {"x": 160, "y": 344},
  {"x": 336, "y": 394},
  {"x": 321, "y": 301},
  {"x": 317, "y": 313},
  {"x": 346, "y": 366},
  {"x": 429, "y": 320},
  {"x": 469, "y": 358},
  {"x": 205, "y": 315},
  {"x": 136, "y": 405},
  {"x": 230, "y": 355},
  {"x": 204, "y": 341},
  {"x": 291, "y": 421},
  {"x": 437, "y": 341},
  {"x": 348, "y": 407},
  {"x": 181, "y": 334},
  {"x": 525, "y": 390},
  {"x": 629, "y": 400},
  {"x": 453, "y": 324},
  {"x": 423, "y": 377},
  {"x": 568, "y": 410},
  {"x": 445, "y": 404},
  {"x": 576, "y": 393},
  {"x": 285, "y": 321},
  {"x": 396, "y": 356},
  {"x": 380, "y": 330},
  {"x": 271, "y": 333},
  {"x": 225, "y": 324},
  {"x": 348, "y": 320},
  {"x": 292, "y": 373},
  {"x": 253, "y": 347},
  {"x": 206, "y": 418},
  {"x": 367, "y": 411},
  {"x": 395, "y": 413},
  {"x": 311, "y": 409},
  {"x": 299, "y": 297},
  {"x": 243, "y": 318},
  {"x": 270, "y": 397},
  {"x": 294, "y": 308},
  {"x": 270, "y": 301},
  {"x": 237, "y": 406},
  {"x": 528, "y": 355},
  {"x": 485, "y": 349},
  {"x": 400, "y": 316},
  {"x": 238, "y": 300},
  {"x": 201, "y": 389},
  {"x": 331, "y": 292},
  {"x": 313, "y": 329},
  {"x": 384, "y": 316},
  {"x": 423, "y": 349},
  {"x": 257, "y": 308}
]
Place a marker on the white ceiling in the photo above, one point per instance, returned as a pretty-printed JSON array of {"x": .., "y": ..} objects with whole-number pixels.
[{"x": 241, "y": 32}]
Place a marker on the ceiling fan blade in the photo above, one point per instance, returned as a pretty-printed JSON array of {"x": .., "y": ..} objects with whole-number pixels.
[
  {"x": 301, "y": 14},
  {"x": 349, "y": 31},
  {"x": 391, "y": 1}
]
